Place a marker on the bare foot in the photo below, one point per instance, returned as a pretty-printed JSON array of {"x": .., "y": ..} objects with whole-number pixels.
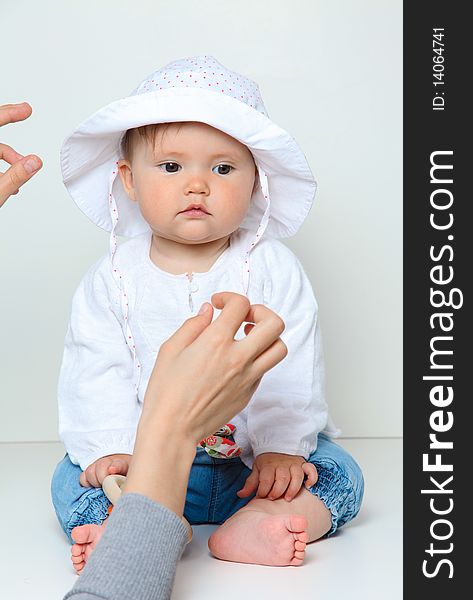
[
  {"x": 253, "y": 536},
  {"x": 86, "y": 538}
]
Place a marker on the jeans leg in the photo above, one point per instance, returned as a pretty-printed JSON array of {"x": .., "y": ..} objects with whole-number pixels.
[
  {"x": 340, "y": 484},
  {"x": 231, "y": 477},
  {"x": 200, "y": 487},
  {"x": 74, "y": 504}
]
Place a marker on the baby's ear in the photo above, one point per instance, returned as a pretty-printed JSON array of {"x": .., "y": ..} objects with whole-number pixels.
[{"x": 126, "y": 176}]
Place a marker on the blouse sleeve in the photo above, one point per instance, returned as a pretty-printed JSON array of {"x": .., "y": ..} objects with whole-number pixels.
[
  {"x": 289, "y": 409},
  {"x": 97, "y": 399}
]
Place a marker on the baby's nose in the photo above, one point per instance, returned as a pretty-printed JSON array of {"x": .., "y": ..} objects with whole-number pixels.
[{"x": 197, "y": 185}]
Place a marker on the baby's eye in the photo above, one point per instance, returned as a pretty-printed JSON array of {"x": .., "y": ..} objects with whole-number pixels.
[
  {"x": 173, "y": 167},
  {"x": 226, "y": 169}
]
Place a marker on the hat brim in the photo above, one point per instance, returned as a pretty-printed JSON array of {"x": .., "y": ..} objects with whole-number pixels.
[{"x": 90, "y": 153}]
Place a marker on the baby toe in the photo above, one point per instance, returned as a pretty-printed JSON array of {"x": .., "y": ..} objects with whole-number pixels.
[
  {"x": 297, "y": 525},
  {"x": 77, "y": 549},
  {"x": 297, "y": 561},
  {"x": 77, "y": 560},
  {"x": 303, "y": 536},
  {"x": 79, "y": 567}
]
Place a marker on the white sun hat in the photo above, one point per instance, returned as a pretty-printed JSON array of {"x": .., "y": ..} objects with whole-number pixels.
[{"x": 189, "y": 89}]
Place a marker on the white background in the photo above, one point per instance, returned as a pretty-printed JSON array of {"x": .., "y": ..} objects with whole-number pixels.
[{"x": 329, "y": 73}]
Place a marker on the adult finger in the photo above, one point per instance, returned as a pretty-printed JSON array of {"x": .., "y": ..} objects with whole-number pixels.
[
  {"x": 234, "y": 309},
  {"x": 190, "y": 329},
  {"x": 18, "y": 174},
  {"x": 268, "y": 359},
  {"x": 268, "y": 327},
  {"x": 297, "y": 477},
  {"x": 9, "y": 155},
  {"x": 11, "y": 113},
  {"x": 282, "y": 480}
]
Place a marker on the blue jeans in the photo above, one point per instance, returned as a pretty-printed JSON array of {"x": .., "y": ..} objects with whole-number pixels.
[{"x": 213, "y": 483}]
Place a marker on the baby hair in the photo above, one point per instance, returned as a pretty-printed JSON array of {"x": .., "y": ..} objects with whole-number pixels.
[{"x": 148, "y": 133}]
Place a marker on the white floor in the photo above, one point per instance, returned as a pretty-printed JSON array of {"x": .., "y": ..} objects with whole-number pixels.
[{"x": 363, "y": 561}]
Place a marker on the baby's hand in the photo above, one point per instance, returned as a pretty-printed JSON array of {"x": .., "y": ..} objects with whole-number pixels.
[
  {"x": 113, "y": 464},
  {"x": 276, "y": 474}
]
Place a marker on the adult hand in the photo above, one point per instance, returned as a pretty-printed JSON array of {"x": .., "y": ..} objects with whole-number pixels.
[
  {"x": 22, "y": 167},
  {"x": 203, "y": 376},
  {"x": 201, "y": 379}
]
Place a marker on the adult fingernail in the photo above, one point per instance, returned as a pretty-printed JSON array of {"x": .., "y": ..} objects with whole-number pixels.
[
  {"x": 31, "y": 165},
  {"x": 204, "y": 308}
]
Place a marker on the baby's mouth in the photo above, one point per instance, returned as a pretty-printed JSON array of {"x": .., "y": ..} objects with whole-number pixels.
[{"x": 194, "y": 210}]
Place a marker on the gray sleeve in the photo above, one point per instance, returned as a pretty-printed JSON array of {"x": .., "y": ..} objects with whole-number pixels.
[{"x": 137, "y": 556}]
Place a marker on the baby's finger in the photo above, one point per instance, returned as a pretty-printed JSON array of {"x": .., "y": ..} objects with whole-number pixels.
[
  {"x": 311, "y": 472},
  {"x": 101, "y": 470},
  {"x": 282, "y": 480},
  {"x": 251, "y": 484},
  {"x": 118, "y": 467},
  {"x": 91, "y": 474},
  {"x": 83, "y": 480},
  {"x": 266, "y": 481},
  {"x": 297, "y": 477}
]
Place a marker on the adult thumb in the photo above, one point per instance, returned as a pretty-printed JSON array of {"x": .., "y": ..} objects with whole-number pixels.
[{"x": 192, "y": 328}]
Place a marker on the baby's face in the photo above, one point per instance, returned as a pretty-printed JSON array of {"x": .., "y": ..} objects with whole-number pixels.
[{"x": 191, "y": 164}]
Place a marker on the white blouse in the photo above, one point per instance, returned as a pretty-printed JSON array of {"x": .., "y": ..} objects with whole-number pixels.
[{"x": 101, "y": 390}]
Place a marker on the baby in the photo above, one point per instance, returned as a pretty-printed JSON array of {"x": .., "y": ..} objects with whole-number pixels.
[{"x": 191, "y": 168}]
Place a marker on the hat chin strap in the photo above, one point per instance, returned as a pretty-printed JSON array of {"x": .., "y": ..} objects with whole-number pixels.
[
  {"x": 118, "y": 276},
  {"x": 263, "y": 178}
]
